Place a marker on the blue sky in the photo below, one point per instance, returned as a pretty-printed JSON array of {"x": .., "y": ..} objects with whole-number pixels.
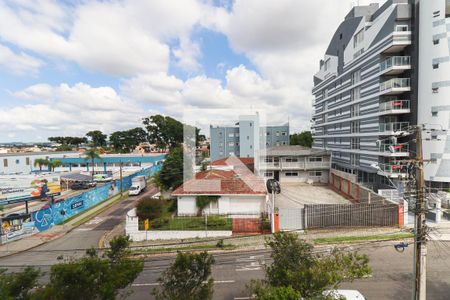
[{"x": 70, "y": 67}]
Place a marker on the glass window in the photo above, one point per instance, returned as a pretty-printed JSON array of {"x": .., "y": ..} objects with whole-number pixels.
[
  {"x": 231, "y": 135},
  {"x": 27, "y": 161},
  {"x": 231, "y": 144},
  {"x": 358, "y": 38},
  {"x": 5, "y": 162},
  {"x": 291, "y": 174},
  {"x": 17, "y": 161}
]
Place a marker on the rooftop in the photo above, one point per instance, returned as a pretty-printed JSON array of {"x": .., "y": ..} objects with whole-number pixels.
[
  {"x": 294, "y": 150},
  {"x": 223, "y": 182}
]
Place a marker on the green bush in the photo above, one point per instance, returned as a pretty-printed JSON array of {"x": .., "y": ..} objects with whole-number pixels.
[
  {"x": 220, "y": 244},
  {"x": 216, "y": 221},
  {"x": 149, "y": 208},
  {"x": 173, "y": 207},
  {"x": 158, "y": 223}
]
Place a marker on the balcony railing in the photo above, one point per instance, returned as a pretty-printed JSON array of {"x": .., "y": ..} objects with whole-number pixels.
[
  {"x": 395, "y": 148},
  {"x": 395, "y": 105},
  {"x": 393, "y": 126},
  {"x": 294, "y": 165},
  {"x": 395, "y": 61},
  {"x": 393, "y": 169},
  {"x": 395, "y": 83}
]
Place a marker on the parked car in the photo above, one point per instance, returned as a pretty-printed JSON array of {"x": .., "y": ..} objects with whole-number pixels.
[
  {"x": 344, "y": 294},
  {"x": 102, "y": 178},
  {"x": 80, "y": 186}
]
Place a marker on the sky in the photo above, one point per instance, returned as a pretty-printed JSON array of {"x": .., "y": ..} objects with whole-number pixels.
[{"x": 68, "y": 67}]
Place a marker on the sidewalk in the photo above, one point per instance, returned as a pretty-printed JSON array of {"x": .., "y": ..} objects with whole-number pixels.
[{"x": 51, "y": 234}]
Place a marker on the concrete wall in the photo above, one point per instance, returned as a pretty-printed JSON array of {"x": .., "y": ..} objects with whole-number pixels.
[
  {"x": 236, "y": 205},
  {"x": 24, "y": 162}
]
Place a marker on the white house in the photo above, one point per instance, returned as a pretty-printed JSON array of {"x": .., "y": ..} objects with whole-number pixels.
[{"x": 237, "y": 192}]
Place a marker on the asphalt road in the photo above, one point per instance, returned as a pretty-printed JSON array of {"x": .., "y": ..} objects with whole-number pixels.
[{"x": 75, "y": 243}]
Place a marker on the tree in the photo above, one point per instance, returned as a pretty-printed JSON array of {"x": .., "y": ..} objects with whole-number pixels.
[
  {"x": 92, "y": 277},
  {"x": 54, "y": 164},
  {"x": 98, "y": 139},
  {"x": 92, "y": 155},
  {"x": 189, "y": 278},
  {"x": 41, "y": 162},
  {"x": 171, "y": 173},
  {"x": 148, "y": 208},
  {"x": 68, "y": 140},
  {"x": 18, "y": 285},
  {"x": 126, "y": 141},
  {"x": 296, "y": 265},
  {"x": 163, "y": 131},
  {"x": 304, "y": 139}
]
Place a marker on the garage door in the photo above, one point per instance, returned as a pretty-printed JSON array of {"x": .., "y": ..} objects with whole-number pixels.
[{"x": 291, "y": 218}]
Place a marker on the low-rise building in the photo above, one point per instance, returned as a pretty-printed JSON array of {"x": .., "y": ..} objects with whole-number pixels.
[
  {"x": 295, "y": 164},
  {"x": 236, "y": 192}
]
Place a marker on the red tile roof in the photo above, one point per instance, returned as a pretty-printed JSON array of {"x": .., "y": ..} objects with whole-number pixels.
[
  {"x": 223, "y": 182},
  {"x": 232, "y": 161}
]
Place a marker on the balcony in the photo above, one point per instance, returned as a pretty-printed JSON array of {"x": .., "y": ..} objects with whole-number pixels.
[
  {"x": 392, "y": 170},
  {"x": 395, "y": 86},
  {"x": 400, "y": 40},
  {"x": 393, "y": 128},
  {"x": 395, "y": 65},
  {"x": 291, "y": 165},
  {"x": 395, "y": 150},
  {"x": 395, "y": 107}
]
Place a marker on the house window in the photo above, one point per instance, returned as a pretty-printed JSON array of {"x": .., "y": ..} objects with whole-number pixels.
[
  {"x": 435, "y": 66},
  {"x": 221, "y": 153},
  {"x": 283, "y": 143},
  {"x": 291, "y": 174},
  {"x": 231, "y": 135},
  {"x": 356, "y": 76},
  {"x": 268, "y": 133},
  {"x": 268, "y": 159},
  {"x": 17, "y": 161},
  {"x": 291, "y": 159},
  {"x": 401, "y": 28},
  {"x": 284, "y": 133},
  {"x": 315, "y": 173},
  {"x": 248, "y": 137},
  {"x": 436, "y": 14},
  {"x": 447, "y": 9},
  {"x": 435, "y": 41},
  {"x": 214, "y": 205},
  {"x": 435, "y": 90},
  {"x": 313, "y": 159},
  {"x": 251, "y": 124},
  {"x": 230, "y": 144},
  {"x": 268, "y": 174},
  {"x": 278, "y": 133},
  {"x": 251, "y": 147},
  {"x": 236, "y": 134},
  {"x": 434, "y": 113},
  {"x": 5, "y": 162},
  {"x": 27, "y": 161}
]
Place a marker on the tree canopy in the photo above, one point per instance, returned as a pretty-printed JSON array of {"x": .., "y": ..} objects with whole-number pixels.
[
  {"x": 296, "y": 265},
  {"x": 303, "y": 138},
  {"x": 126, "y": 141},
  {"x": 164, "y": 131},
  {"x": 97, "y": 138},
  {"x": 171, "y": 174},
  {"x": 68, "y": 140},
  {"x": 189, "y": 278}
]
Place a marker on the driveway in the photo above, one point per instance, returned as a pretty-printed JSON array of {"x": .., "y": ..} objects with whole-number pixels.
[{"x": 296, "y": 195}]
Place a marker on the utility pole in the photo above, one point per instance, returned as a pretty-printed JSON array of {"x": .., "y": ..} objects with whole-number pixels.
[
  {"x": 420, "y": 247},
  {"x": 121, "y": 180}
]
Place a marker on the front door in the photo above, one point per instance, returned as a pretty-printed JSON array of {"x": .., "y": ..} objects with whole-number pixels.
[{"x": 277, "y": 176}]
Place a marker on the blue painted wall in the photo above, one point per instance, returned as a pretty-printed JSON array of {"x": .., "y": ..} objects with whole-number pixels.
[{"x": 61, "y": 211}]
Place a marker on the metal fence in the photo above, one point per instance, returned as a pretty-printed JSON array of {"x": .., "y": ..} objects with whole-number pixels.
[{"x": 349, "y": 215}]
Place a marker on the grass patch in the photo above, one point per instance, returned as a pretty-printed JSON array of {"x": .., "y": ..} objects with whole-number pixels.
[
  {"x": 356, "y": 239},
  {"x": 190, "y": 223},
  {"x": 95, "y": 213},
  {"x": 184, "y": 248}
]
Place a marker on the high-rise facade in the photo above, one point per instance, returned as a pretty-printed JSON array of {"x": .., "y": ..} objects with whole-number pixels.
[
  {"x": 369, "y": 88},
  {"x": 246, "y": 138}
]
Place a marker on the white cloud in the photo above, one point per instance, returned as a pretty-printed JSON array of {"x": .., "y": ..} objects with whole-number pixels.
[
  {"x": 69, "y": 110},
  {"x": 18, "y": 63}
]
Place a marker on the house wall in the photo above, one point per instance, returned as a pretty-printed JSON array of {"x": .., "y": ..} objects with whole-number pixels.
[{"x": 236, "y": 205}]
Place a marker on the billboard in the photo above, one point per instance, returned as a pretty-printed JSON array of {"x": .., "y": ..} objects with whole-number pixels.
[{"x": 14, "y": 188}]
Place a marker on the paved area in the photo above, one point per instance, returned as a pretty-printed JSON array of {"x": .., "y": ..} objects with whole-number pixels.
[{"x": 296, "y": 195}]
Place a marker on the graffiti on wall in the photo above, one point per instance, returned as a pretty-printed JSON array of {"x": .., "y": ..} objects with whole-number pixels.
[{"x": 57, "y": 213}]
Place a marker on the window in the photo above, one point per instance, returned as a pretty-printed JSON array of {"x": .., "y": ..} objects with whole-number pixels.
[
  {"x": 231, "y": 144},
  {"x": 268, "y": 133},
  {"x": 231, "y": 153},
  {"x": 436, "y": 14},
  {"x": 283, "y": 143},
  {"x": 355, "y": 143},
  {"x": 268, "y": 159},
  {"x": 27, "y": 161},
  {"x": 358, "y": 38},
  {"x": 435, "y": 41},
  {"x": 17, "y": 161},
  {"x": 291, "y": 159},
  {"x": 313, "y": 159},
  {"x": 251, "y": 147},
  {"x": 356, "y": 76},
  {"x": 433, "y": 160},
  {"x": 284, "y": 133},
  {"x": 236, "y": 134},
  {"x": 354, "y": 110},
  {"x": 220, "y": 133},
  {"x": 435, "y": 66},
  {"x": 291, "y": 174},
  {"x": 248, "y": 137},
  {"x": 340, "y": 36},
  {"x": 354, "y": 159},
  {"x": 401, "y": 28},
  {"x": 355, "y": 126},
  {"x": 447, "y": 9},
  {"x": 435, "y": 90},
  {"x": 326, "y": 65},
  {"x": 315, "y": 173},
  {"x": 356, "y": 93},
  {"x": 230, "y": 135},
  {"x": 277, "y": 133},
  {"x": 434, "y": 113},
  {"x": 251, "y": 124},
  {"x": 5, "y": 162},
  {"x": 268, "y": 174},
  {"x": 220, "y": 153}
]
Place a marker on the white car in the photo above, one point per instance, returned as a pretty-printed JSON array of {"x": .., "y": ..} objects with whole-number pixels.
[{"x": 344, "y": 294}]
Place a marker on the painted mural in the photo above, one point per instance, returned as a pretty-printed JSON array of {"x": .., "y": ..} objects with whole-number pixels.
[{"x": 57, "y": 213}]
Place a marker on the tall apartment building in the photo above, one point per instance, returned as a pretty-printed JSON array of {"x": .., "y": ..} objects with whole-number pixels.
[
  {"x": 246, "y": 138},
  {"x": 385, "y": 68}
]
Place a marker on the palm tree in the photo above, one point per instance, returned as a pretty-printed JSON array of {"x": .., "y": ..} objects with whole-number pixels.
[
  {"x": 92, "y": 154},
  {"x": 54, "y": 164},
  {"x": 41, "y": 162}
]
